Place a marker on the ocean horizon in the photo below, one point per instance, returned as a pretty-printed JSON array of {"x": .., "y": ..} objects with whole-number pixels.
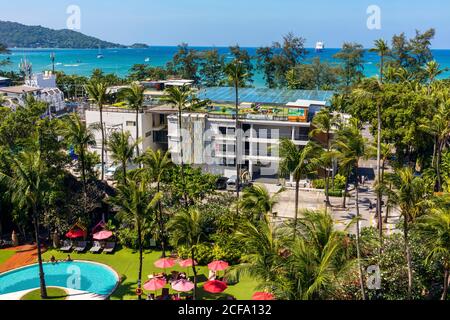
[{"x": 120, "y": 60}]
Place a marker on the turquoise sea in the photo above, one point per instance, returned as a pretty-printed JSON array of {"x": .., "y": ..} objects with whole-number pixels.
[{"x": 119, "y": 61}]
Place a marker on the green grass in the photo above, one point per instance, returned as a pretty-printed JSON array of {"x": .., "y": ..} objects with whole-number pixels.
[
  {"x": 53, "y": 294},
  {"x": 126, "y": 263},
  {"x": 5, "y": 255}
]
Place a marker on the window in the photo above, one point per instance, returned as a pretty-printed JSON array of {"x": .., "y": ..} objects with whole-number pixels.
[{"x": 131, "y": 123}]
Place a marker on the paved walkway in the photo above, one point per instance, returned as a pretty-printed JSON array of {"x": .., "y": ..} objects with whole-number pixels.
[
  {"x": 72, "y": 295},
  {"x": 24, "y": 256}
]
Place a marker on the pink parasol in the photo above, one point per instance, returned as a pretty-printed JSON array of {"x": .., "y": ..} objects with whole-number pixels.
[
  {"x": 103, "y": 235},
  {"x": 182, "y": 285},
  {"x": 264, "y": 296},
  {"x": 165, "y": 263},
  {"x": 215, "y": 286},
  {"x": 218, "y": 265},
  {"x": 155, "y": 284},
  {"x": 74, "y": 234},
  {"x": 187, "y": 263}
]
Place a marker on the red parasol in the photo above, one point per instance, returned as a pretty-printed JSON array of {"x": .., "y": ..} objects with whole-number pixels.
[
  {"x": 103, "y": 235},
  {"x": 182, "y": 285},
  {"x": 165, "y": 263},
  {"x": 74, "y": 234},
  {"x": 155, "y": 284},
  {"x": 187, "y": 263},
  {"x": 215, "y": 286},
  {"x": 218, "y": 265},
  {"x": 264, "y": 296}
]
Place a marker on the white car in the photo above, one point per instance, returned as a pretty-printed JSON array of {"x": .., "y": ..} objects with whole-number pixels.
[{"x": 111, "y": 173}]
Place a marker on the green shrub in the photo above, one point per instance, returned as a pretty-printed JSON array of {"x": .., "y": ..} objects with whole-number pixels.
[
  {"x": 319, "y": 184},
  {"x": 336, "y": 193},
  {"x": 339, "y": 182},
  {"x": 203, "y": 253}
]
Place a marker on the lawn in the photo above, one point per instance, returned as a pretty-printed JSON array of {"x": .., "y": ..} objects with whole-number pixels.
[
  {"x": 52, "y": 293},
  {"x": 5, "y": 255},
  {"x": 126, "y": 263}
]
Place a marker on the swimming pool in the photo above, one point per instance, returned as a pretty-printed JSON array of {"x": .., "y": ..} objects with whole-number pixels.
[{"x": 80, "y": 275}]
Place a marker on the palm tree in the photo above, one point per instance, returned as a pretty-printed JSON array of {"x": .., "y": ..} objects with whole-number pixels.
[
  {"x": 156, "y": 165},
  {"x": 134, "y": 98},
  {"x": 411, "y": 196},
  {"x": 323, "y": 123},
  {"x": 382, "y": 48},
  {"x": 257, "y": 201},
  {"x": 439, "y": 128},
  {"x": 298, "y": 163},
  {"x": 136, "y": 205},
  {"x": 81, "y": 138},
  {"x": 433, "y": 70},
  {"x": 186, "y": 230},
  {"x": 29, "y": 186},
  {"x": 122, "y": 150},
  {"x": 97, "y": 91},
  {"x": 435, "y": 230},
  {"x": 236, "y": 73},
  {"x": 351, "y": 147},
  {"x": 182, "y": 98}
]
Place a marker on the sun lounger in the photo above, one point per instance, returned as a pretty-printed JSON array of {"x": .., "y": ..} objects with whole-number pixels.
[
  {"x": 81, "y": 246},
  {"x": 96, "y": 248},
  {"x": 67, "y": 246},
  {"x": 109, "y": 247}
]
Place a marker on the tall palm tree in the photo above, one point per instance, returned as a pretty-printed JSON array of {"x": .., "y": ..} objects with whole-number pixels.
[
  {"x": 298, "y": 163},
  {"x": 258, "y": 201},
  {"x": 382, "y": 48},
  {"x": 29, "y": 186},
  {"x": 433, "y": 70},
  {"x": 97, "y": 91},
  {"x": 435, "y": 230},
  {"x": 81, "y": 138},
  {"x": 122, "y": 150},
  {"x": 136, "y": 204},
  {"x": 155, "y": 165},
  {"x": 134, "y": 98},
  {"x": 351, "y": 148},
  {"x": 183, "y": 99},
  {"x": 439, "y": 128},
  {"x": 236, "y": 73},
  {"x": 323, "y": 123},
  {"x": 411, "y": 196},
  {"x": 186, "y": 230}
]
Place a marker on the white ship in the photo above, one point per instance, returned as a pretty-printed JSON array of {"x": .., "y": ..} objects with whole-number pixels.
[{"x": 320, "y": 46}]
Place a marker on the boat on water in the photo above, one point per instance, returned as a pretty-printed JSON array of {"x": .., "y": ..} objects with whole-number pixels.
[
  {"x": 99, "y": 54},
  {"x": 320, "y": 46}
]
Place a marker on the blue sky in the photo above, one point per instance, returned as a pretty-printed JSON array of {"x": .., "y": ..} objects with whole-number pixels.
[{"x": 225, "y": 22}]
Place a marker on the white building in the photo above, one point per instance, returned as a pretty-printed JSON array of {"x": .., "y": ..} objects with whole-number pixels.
[
  {"x": 209, "y": 138},
  {"x": 43, "y": 88}
]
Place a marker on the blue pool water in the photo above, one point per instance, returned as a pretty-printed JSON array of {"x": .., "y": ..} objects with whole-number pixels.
[{"x": 84, "y": 276}]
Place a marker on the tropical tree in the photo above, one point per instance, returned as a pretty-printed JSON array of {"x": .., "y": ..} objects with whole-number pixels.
[
  {"x": 257, "y": 201},
  {"x": 133, "y": 96},
  {"x": 80, "y": 138},
  {"x": 324, "y": 122},
  {"x": 237, "y": 73},
  {"x": 136, "y": 205},
  {"x": 439, "y": 127},
  {"x": 122, "y": 150},
  {"x": 298, "y": 163},
  {"x": 156, "y": 165},
  {"x": 382, "y": 48},
  {"x": 411, "y": 195},
  {"x": 435, "y": 230},
  {"x": 351, "y": 149},
  {"x": 97, "y": 90},
  {"x": 29, "y": 187},
  {"x": 183, "y": 99},
  {"x": 186, "y": 230},
  {"x": 433, "y": 70}
]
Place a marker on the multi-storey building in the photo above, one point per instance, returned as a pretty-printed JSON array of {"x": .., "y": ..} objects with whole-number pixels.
[{"x": 266, "y": 117}]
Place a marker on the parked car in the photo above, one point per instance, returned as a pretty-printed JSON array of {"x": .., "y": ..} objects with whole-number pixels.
[
  {"x": 110, "y": 173},
  {"x": 231, "y": 184},
  {"x": 221, "y": 183}
]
